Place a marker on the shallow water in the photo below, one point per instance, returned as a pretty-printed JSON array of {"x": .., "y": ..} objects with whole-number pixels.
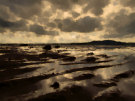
[{"x": 27, "y": 73}]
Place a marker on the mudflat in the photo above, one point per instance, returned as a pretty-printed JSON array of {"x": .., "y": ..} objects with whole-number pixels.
[{"x": 67, "y": 73}]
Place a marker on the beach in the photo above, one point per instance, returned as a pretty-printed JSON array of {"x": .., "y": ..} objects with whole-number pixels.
[{"x": 67, "y": 73}]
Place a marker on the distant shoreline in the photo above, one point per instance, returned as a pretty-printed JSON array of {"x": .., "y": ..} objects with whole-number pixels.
[{"x": 104, "y": 42}]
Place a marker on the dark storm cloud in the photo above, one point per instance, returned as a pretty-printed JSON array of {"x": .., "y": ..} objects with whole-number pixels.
[
  {"x": 40, "y": 30},
  {"x": 122, "y": 25},
  {"x": 63, "y": 4},
  {"x": 5, "y": 12},
  {"x": 94, "y": 6},
  {"x": 23, "y": 8},
  {"x": 37, "y": 29},
  {"x": 5, "y": 24},
  {"x": 128, "y": 3},
  {"x": 21, "y": 25},
  {"x": 86, "y": 24},
  {"x": 25, "y": 11},
  {"x": 52, "y": 25},
  {"x": 13, "y": 26}
]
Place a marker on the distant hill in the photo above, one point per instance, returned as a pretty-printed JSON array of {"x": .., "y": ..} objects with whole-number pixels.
[{"x": 106, "y": 42}]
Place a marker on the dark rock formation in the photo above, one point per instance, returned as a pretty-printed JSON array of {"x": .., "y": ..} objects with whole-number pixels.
[
  {"x": 47, "y": 47},
  {"x": 57, "y": 46},
  {"x": 69, "y": 58},
  {"x": 90, "y": 59},
  {"x": 55, "y": 85}
]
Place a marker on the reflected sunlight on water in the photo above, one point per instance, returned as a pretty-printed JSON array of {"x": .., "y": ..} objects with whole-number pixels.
[{"x": 27, "y": 72}]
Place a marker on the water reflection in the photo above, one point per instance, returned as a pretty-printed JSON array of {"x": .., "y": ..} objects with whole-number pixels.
[{"x": 95, "y": 73}]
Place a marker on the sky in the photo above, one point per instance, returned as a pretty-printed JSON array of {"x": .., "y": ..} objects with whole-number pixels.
[{"x": 66, "y": 21}]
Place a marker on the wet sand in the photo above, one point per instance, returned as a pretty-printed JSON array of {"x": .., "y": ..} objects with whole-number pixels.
[{"x": 67, "y": 73}]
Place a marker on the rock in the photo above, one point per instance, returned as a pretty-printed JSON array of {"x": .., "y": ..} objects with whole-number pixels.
[
  {"x": 69, "y": 58},
  {"x": 57, "y": 46},
  {"x": 123, "y": 75},
  {"x": 105, "y": 84},
  {"x": 47, "y": 47},
  {"x": 24, "y": 45},
  {"x": 90, "y": 59},
  {"x": 55, "y": 85},
  {"x": 103, "y": 55},
  {"x": 91, "y": 53}
]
